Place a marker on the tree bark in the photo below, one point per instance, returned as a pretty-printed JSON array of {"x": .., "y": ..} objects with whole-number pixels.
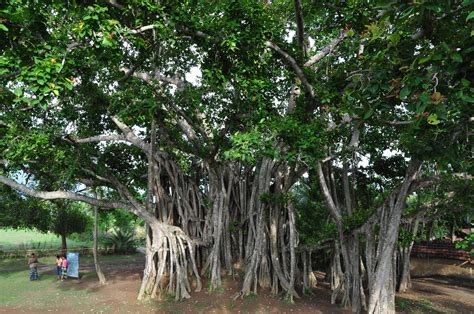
[
  {"x": 382, "y": 282},
  {"x": 63, "y": 243},
  {"x": 100, "y": 274},
  {"x": 404, "y": 278}
]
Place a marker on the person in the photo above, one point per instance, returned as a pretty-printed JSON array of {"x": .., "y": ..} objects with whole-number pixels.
[
  {"x": 59, "y": 265},
  {"x": 64, "y": 267},
  {"x": 33, "y": 265}
]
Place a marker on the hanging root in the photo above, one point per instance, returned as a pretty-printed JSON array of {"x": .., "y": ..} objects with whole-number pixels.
[
  {"x": 264, "y": 279},
  {"x": 313, "y": 281},
  {"x": 173, "y": 249}
]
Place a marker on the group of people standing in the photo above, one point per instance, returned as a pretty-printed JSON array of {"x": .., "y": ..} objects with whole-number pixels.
[{"x": 61, "y": 266}]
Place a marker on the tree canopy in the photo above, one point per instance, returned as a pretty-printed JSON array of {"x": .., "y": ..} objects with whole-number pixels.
[{"x": 201, "y": 116}]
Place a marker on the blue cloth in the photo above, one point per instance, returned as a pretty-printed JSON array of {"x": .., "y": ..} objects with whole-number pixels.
[
  {"x": 73, "y": 265},
  {"x": 58, "y": 270},
  {"x": 34, "y": 273}
]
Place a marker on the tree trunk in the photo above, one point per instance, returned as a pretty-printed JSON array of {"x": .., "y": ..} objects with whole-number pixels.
[
  {"x": 404, "y": 278},
  {"x": 292, "y": 245},
  {"x": 63, "y": 243},
  {"x": 100, "y": 274},
  {"x": 382, "y": 280}
]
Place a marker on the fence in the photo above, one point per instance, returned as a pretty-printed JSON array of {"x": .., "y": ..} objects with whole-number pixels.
[{"x": 440, "y": 249}]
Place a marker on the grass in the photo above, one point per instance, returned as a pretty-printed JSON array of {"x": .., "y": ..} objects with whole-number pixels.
[
  {"x": 11, "y": 239},
  {"x": 43, "y": 294},
  {"x": 16, "y": 291},
  {"x": 417, "y": 306},
  {"x": 20, "y": 264}
]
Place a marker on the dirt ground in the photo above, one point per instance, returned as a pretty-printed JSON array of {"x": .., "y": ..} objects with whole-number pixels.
[{"x": 433, "y": 295}]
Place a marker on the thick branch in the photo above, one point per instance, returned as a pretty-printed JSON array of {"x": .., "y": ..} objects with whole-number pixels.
[
  {"x": 335, "y": 213},
  {"x": 397, "y": 122},
  {"x": 129, "y": 135},
  {"x": 185, "y": 123},
  {"x": 100, "y": 138},
  {"x": 147, "y": 77},
  {"x": 62, "y": 195},
  {"x": 300, "y": 25},
  {"x": 115, "y": 4},
  {"x": 294, "y": 65},
  {"x": 142, "y": 29},
  {"x": 326, "y": 50}
]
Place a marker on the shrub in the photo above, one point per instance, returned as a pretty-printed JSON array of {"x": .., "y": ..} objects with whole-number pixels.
[{"x": 123, "y": 241}]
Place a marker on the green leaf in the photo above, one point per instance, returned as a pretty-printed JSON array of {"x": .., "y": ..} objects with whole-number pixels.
[
  {"x": 456, "y": 57},
  {"x": 107, "y": 42},
  {"x": 424, "y": 59},
  {"x": 350, "y": 33},
  {"x": 433, "y": 119},
  {"x": 404, "y": 92},
  {"x": 3, "y": 28},
  {"x": 56, "y": 92},
  {"x": 467, "y": 98},
  {"x": 470, "y": 16},
  {"x": 368, "y": 113},
  {"x": 18, "y": 91},
  {"x": 465, "y": 82}
]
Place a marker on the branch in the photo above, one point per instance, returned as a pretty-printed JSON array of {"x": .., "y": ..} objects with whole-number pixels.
[
  {"x": 294, "y": 65},
  {"x": 423, "y": 183},
  {"x": 62, "y": 195},
  {"x": 142, "y": 29},
  {"x": 157, "y": 76},
  {"x": 185, "y": 123},
  {"x": 334, "y": 211},
  {"x": 129, "y": 135},
  {"x": 326, "y": 50},
  {"x": 187, "y": 31},
  {"x": 397, "y": 122},
  {"x": 115, "y": 4},
  {"x": 300, "y": 26},
  {"x": 99, "y": 138}
]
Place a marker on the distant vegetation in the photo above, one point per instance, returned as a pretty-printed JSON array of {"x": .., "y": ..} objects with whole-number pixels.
[{"x": 11, "y": 239}]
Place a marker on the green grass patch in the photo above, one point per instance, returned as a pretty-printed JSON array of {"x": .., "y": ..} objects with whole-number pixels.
[
  {"x": 416, "y": 306},
  {"x": 43, "y": 294},
  {"x": 11, "y": 239},
  {"x": 250, "y": 297},
  {"x": 21, "y": 264}
]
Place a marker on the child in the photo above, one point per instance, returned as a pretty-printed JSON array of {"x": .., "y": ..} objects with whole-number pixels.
[
  {"x": 59, "y": 265},
  {"x": 64, "y": 267},
  {"x": 33, "y": 265}
]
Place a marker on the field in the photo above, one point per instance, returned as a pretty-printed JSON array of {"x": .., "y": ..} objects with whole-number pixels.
[
  {"x": 123, "y": 273},
  {"x": 31, "y": 239}
]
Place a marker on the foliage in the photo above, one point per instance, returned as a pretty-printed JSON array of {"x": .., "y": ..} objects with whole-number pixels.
[
  {"x": 123, "y": 241},
  {"x": 467, "y": 244},
  {"x": 68, "y": 218},
  {"x": 396, "y": 88},
  {"x": 17, "y": 211},
  {"x": 312, "y": 217}
]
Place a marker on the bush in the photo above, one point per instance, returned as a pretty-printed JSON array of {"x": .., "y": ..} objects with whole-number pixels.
[{"x": 123, "y": 241}]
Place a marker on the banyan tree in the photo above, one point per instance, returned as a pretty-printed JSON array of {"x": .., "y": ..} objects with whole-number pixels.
[{"x": 201, "y": 117}]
